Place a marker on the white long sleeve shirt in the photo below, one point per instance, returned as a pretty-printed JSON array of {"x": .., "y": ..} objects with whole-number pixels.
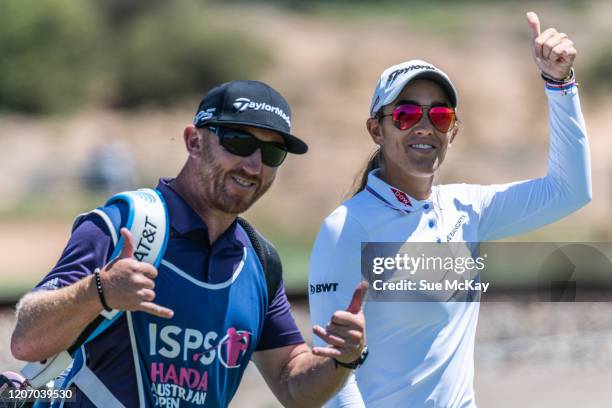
[{"x": 422, "y": 353}]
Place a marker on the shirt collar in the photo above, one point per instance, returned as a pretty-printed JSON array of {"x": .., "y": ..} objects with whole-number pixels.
[
  {"x": 392, "y": 196},
  {"x": 183, "y": 218}
]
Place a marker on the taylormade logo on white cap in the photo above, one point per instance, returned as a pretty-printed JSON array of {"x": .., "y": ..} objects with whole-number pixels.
[
  {"x": 242, "y": 104},
  {"x": 395, "y": 78},
  {"x": 393, "y": 75}
]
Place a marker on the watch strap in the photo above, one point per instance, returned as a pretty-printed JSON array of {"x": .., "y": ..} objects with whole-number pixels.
[{"x": 354, "y": 364}]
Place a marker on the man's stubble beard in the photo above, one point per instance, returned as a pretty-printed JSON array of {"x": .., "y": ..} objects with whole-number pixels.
[{"x": 212, "y": 184}]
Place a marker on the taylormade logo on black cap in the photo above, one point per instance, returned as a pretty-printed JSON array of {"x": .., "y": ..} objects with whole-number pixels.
[
  {"x": 242, "y": 104},
  {"x": 249, "y": 103}
]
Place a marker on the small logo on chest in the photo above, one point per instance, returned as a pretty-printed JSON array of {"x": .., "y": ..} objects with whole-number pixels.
[
  {"x": 401, "y": 197},
  {"x": 456, "y": 227}
]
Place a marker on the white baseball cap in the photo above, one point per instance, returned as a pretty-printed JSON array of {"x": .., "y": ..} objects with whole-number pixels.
[{"x": 395, "y": 78}]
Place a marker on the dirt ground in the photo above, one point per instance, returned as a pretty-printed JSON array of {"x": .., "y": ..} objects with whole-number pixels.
[{"x": 527, "y": 355}]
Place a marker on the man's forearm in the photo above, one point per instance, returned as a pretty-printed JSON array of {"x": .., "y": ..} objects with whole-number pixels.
[
  {"x": 312, "y": 380},
  {"x": 49, "y": 321}
]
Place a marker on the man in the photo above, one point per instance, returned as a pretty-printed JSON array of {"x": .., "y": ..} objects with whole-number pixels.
[{"x": 190, "y": 330}]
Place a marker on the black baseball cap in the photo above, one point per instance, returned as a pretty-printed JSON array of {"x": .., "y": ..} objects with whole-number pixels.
[{"x": 249, "y": 103}]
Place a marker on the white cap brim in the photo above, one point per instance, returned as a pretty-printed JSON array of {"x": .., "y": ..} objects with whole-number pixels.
[{"x": 394, "y": 79}]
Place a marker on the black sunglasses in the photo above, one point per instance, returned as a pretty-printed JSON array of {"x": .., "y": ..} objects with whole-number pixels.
[{"x": 244, "y": 144}]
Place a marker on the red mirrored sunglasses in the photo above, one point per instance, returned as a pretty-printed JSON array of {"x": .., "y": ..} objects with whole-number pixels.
[{"x": 405, "y": 116}]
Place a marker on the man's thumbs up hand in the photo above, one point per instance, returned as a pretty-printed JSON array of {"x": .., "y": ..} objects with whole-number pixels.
[{"x": 129, "y": 284}]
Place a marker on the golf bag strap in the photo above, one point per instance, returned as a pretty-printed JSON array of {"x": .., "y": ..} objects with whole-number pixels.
[
  {"x": 95, "y": 390},
  {"x": 148, "y": 222},
  {"x": 268, "y": 256},
  {"x": 41, "y": 373}
]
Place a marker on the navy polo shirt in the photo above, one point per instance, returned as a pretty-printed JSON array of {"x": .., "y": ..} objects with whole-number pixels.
[{"x": 90, "y": 246}]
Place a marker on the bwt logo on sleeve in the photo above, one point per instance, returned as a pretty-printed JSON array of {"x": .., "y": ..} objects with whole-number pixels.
[
  {"x": 242, "y": 104},
  {"x": 323, "y": 287}
]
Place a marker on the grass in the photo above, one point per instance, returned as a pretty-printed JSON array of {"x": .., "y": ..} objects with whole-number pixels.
[
  {"x": 294, "y": 248},
  {"x": 51, "y": 206},
  {"x": 56, "y": 206},
  {"x": 445, "y": 19},
  {"x": 295, "y": 261},
  {"x": 12, "y": 290},
  {"x": 295, "y": 275}
]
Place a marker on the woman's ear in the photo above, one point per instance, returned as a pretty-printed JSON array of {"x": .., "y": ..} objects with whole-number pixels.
[{"x": 375, "y": 130}]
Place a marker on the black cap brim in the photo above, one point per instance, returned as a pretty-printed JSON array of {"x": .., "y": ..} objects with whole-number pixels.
[{"x": 294, "y": 144}]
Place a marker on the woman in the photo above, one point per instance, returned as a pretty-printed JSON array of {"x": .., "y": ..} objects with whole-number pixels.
[{"x": 421, "y": 353}]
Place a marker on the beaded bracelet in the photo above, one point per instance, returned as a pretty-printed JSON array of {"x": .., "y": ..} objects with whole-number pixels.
[
  {"x": 571, "y": 77},
  {"x": 100, "y": 291}
]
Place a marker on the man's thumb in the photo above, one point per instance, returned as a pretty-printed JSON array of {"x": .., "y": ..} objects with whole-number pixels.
[
  {"x": 357, "y": 299},
  {"x": 127, "y": 250}
]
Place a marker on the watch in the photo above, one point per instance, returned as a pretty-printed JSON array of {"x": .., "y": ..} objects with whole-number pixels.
[{"x": 354, "y": 364}]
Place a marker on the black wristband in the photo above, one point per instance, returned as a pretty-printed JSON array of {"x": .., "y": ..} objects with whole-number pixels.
[
  {"x": 355, "y": 364},
  {"x": 100, "y": 291}
]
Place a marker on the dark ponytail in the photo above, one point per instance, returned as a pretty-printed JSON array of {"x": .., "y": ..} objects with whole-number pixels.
[{"x": 361, "y": 180}]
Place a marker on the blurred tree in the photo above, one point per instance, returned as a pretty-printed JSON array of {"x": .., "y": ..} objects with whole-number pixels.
[
  {"x": 58, "y": 54},
  {"x": 597, "y": 78},
  {"x": 119, "y": 13},
  {"x": 178, "y": 49},
  {"x": 48, "y": 48}
]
